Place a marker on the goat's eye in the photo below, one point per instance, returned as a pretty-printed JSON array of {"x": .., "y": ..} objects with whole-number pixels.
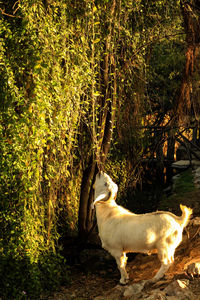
[{"x": 105, "y": 184}]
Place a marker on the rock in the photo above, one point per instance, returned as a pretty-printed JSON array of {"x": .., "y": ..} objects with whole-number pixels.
[
  {"x": 193, "y": 269},
  {"x": 174, "y": 181},
  {"x": 175, "y": 177},
  {"x": 134, "y": 289},
  {"x": 197, "y": 172},
  {"x": 197, "y": 177},
  {"x": 114, "y": 294},
  {"x": 172, "y": 298},
  {"x": 184, "y": 164},
  {"x": 179, "y": 289},
  {"x": 181, "y": 164},
  {"x": 195, "y": 221},
  {"x": 157, "y": 295},
  {"x": 176, "y": 290}
]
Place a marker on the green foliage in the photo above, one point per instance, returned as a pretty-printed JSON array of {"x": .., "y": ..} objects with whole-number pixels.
[
  {"x": 44, "y": 74},
  {"x": 54, "y": 98},
  {"x": 151, "y": 57},
  {"x": 21, "y": 279},
  {"x": 184, "y": 183},
  {"x": 165, "y": 73},
  {"x": 120, "y": 174},
  {"x": 183, "y": 186}
]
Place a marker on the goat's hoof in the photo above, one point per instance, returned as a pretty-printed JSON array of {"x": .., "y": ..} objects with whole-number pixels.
[
  {"x": 124, "y": 282},
  {"x": 148, "y": 284}
]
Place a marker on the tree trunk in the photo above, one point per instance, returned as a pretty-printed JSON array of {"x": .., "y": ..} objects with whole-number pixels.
[
  {"x": 170, "y": 157},
  {"x": 86, "y": 190},
  {"x": 106, "y": 117},
  {"x": 189, "y": 95},
  {"x": 159, "y": 158}
]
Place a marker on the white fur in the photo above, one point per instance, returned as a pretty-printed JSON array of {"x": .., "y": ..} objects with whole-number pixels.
[{"x": 122, "y": 231}]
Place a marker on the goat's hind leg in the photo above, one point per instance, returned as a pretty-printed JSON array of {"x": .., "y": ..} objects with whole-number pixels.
[
  {"x": 167, "y": 258},
  {"x": 121, "y": 260},
  {"x": 161, "y": 272}
]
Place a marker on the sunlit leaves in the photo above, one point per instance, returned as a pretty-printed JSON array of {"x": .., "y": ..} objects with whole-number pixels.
[
  {"x": 45, "y": 73},
  {"x": 55, "y": 93}
]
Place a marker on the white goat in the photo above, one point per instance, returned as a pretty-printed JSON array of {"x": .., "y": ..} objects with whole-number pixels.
[{"x": 122, "y": 231}]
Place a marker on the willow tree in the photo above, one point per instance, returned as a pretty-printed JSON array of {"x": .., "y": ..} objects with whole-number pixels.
[
  {"x": 188, "y": 105},
  {"x": 123, "y": 36},
  {"x": 103, "y": 102},
  {"x": 152, "y": 61},
  {"x": 68, "y": 68},
  {"x": 44, "y": 75}
]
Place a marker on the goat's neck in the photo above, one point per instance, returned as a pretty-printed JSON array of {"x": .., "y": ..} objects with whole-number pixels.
[{"x": 103, "y": 209}]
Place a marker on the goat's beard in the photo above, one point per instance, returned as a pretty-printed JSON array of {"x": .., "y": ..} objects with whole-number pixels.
[{"x": 101, "y": 197}]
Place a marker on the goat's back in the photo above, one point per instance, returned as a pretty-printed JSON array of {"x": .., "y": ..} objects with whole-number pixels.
[{"x": 135, "y": 233}]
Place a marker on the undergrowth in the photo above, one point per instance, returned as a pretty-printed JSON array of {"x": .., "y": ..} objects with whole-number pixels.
[{"x": 183, "y": 187}]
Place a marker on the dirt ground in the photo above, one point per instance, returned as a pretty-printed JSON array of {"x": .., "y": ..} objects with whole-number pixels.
[
  {"x": 98, "y": 273},
  {"x": 97, "y": 276}
]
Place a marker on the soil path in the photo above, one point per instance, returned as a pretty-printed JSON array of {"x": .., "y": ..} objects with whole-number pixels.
[{"x": 99, "y": 275}]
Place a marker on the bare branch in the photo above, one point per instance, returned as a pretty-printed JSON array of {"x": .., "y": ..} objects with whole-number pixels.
[{"x": 9, "y": 15}]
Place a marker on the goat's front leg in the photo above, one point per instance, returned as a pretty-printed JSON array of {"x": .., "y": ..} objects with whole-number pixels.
[{"x": 121, "y": 260}]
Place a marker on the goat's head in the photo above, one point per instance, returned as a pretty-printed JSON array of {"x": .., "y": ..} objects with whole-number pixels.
[{"x": 105, "y": 188}]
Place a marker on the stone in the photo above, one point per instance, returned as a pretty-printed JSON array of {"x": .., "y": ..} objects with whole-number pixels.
[
  {"x": 173, "y": 298},
  {"x": 134, "y": 289},
  {"x": 114, "y": 294},
  {"x": 157, "y": 295},
  {"x": 193, "y": 269},
  {"x": 181, "y": 164},
  {"x": 184, "y": 164},
  {"x": 195, "y": 221},
  {"x": 179, "y": 288}
]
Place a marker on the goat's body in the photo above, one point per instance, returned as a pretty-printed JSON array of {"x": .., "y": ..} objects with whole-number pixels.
[
  {"x": 156, "y": 228},
  {"x": 122, "y": 231}
]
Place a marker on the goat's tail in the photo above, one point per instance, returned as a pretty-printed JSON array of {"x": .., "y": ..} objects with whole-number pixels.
[{"x": 186, "y": 213}]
